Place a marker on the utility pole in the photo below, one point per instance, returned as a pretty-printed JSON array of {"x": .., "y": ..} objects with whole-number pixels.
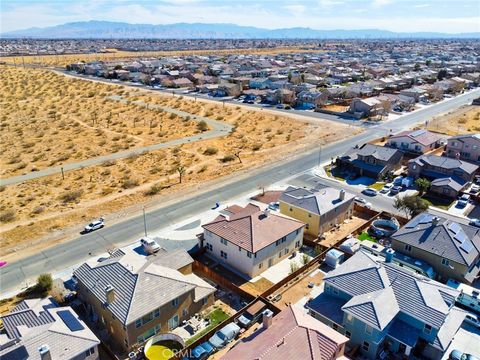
[
  {"x": 144, "y": 221},
  {"x": 319, "y": 156}
]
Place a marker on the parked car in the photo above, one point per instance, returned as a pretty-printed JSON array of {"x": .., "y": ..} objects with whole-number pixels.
[
  {"x": 463, "y": 201},
  {"x": 369, "y": 192},
  {"x": 274, "y": 206},
  {"x": 474, "y": 189},
  {"x": 279, "y": 106},
  {"x": 94, "y": 225},
  {"x": 224, "y": 335},
  {"x": 202, "y": 351},
  {"x": 458, "y": 355},
  {"x": 474, "y": 222},
  {"x": 472, "y": 320},
  {"x": 149, "y": 245},
  {"x": 386, "y": 188},
  {"x": 398, "y": 180},
  {"x": 363, "y": 202},
  {"x": 395, "y": 190}
]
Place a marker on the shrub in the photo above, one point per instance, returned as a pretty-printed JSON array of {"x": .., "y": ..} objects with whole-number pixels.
[
  {"x": 7, "y": 216},
  {"x": 154, "y": 189},
  {"x": 38, "y": 210},
  {"x": 129, "y": 183},
  {"x": 210, "y": 151},
  {"x": 227, "y": 158},
  {"x": 202, "y": 126},
  {"x": 256, "y": 147},
  {"x": 71, "y": 196},
  {"x": 44, "y": 283}
]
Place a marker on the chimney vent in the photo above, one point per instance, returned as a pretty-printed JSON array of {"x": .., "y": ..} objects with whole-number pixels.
[
  {"x": 389, "y": 255},
  {"x": 44, "y": 351},
  {"x": 435, "y": 221},
  {"x": 342, "y": 194},
  {"x": 267, "y": 319},
  {"x": 110, "y": 293}
]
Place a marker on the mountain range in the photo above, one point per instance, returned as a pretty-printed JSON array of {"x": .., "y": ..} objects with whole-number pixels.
[{"x": 120, "y": 30}]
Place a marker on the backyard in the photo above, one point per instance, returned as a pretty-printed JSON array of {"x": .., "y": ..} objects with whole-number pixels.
[{"x": 215, "y": 317}]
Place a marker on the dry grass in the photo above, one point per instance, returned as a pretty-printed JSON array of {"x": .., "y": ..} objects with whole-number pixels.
[
  {"x": 46, "y": 206},
  {"x": 461, "y": 121},
  {"x": 113, "y": 54},
  {"x": 49, "y": 119}
]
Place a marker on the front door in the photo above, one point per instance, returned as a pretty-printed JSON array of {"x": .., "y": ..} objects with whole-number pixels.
[
  {"x": 402, "y": 348},
  {"x": 270, "y": 262}
]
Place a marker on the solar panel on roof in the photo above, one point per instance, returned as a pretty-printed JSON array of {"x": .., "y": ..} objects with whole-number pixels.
[
  {"x": 418, "y": 132},
  {"x": 454, "y": 227},
  {"x": 467, "y": 246},
  {"x": 461, "y": 237},
  {"x": 70, "y": 320}
]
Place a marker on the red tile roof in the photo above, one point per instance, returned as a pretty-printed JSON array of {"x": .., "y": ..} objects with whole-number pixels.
[
  {"x": 251, "y": 228},
  {"x": 292, "y": 335}
]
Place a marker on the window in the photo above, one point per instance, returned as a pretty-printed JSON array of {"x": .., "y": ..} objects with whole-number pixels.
[
  {"x": 249, "y": 254},
  {"x": 91, "y": 351},
  {"x": 223, "y": 241},
  {"x": 205, "y": 301},
  {"x": 175, "y": 302},
  {"x": 209, "y": 246},
  {"x": 368, "y": 329},
  {"x": 156, "y": 312},
  {"x": 185, "y": 312},
  {"x": 348, "y": 334},
  {"x": 427, "y": 329},
  {"x": 334, "y": 326},
  {"x": 291, "y": 209},
  {"x": 297, "y": 244},
  {"x": 297, "y": 231},
  {"x": 349, "y": 318},
  {"x": 286, "y": 251},
  {"x": 365, "y": 346},
  {"x": 445, "y": 262},
  {"x": 156, "y": 329},
  {"x": 408, "y": 247},
  {"x": 223, "y": 254},
  {"x": 125, "y": 341},
  {"x": 147, "y": 318},
  {"x": 279, "y": 254},
  {"x": 334, "y": 290},
  {"x": 260, "y": 265},
  {"x": 284, "y": 239},
  {"x": 309, "y": 215},
  {"x": 307, "y": 226},
  {"x": 239, "y": 249}
]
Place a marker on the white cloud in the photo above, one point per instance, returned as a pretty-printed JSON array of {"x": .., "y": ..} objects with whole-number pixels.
[
  {"x": 296, "y": 10},
  {"x": 380, "y": 3},
  {"x": 330, "y": 3},
  {"x": 419, "y": 6}
]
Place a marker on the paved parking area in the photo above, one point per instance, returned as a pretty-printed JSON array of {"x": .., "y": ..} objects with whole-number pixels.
[{"x": 466, "y": 340}]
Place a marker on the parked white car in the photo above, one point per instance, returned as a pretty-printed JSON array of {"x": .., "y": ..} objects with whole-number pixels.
[
  {"x": 463, "y": 201},
  {"x": 149, "y": 245},
  {"x": 363, "y": 202},
  {"x": 94, "y": 225},
  {"x": 472, "y": 320},
  {"x": 386, "y": 188}
]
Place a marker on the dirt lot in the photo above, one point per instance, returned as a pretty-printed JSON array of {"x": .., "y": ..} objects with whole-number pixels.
[
  {"x": 299, "y": 290},
  {"x": 46, "y": 208},
  {"x": 464, "y": 120},
  {"x": 345, "y": 229}
]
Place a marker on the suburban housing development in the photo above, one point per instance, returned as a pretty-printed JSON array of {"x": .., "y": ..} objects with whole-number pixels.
[{"x": 266, "y": 198}]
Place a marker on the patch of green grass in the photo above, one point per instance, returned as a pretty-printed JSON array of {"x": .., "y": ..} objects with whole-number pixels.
[
  {"x": 364, "y": 236},
  {"x": 216, "y": 317},
  {"x": 437, "y": 202}
]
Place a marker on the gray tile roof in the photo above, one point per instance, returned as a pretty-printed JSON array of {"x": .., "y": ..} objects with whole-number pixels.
[
  {"x": 449, "y": 329},
  {"x": 378, "y": 152},
  {"x": 419, "y": 297},
  {"x": 135, "y": 278},
  {"x": 447, "y": 238},
  {"x": 37, "y": 322},
  {"x": 445, "y": 163},
  {"x": 316, "y": 201}
]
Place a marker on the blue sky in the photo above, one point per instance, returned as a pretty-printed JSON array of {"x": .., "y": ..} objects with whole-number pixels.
[{"x": 451, "y": 16}]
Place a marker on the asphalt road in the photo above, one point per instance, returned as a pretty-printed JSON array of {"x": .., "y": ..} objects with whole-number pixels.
[{"x": 57, "y": 258}]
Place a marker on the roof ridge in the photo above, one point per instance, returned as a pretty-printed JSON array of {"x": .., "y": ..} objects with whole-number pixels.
[{"x": 131, "y": 300}]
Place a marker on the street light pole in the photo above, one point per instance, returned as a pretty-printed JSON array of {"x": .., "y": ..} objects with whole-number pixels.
[
  {"x": 144, "y": 221},
  {"x": 319, "y": 156}
]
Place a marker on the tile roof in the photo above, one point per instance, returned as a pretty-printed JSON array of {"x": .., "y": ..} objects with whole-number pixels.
[
  {"x": 446, "y": 238},
  {"x": 419, "y": 297},
  {"x": 381, "y": 153},
  {"x": 253, "y": 231},
  {"x": 135, "y": 278},
  {"x": 40, "y": 322},
  {"x": 316, "y": 201},
  {"x": 423, "y": 137},
  {"x": 445, "y": 163},
  {"x": 292, "y": 335}
]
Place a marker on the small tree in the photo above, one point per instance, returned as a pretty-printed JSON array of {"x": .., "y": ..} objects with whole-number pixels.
[
  {"x": 237, "y": 155},
  {"x": 305, "y": 259},
  {"x": 202, "y": 126},
  {"x": 181, "y": 170},
  {"x": 442, "y": 74},
  {"x": 423, "y": 185},
  {"x": 293, "y": 267},
  {"x": 411, "y": 205},
  {"x": 44, "y": 283}
]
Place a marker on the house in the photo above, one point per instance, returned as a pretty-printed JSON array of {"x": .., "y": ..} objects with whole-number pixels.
[
  {"x": 250, "y": 240},
  {"x": 369, "y": 107},
  {"x": 464, "y": 147},
  {"x": 311, "y": 99},
  {"x": 369, "y": 160},
  {"x": 39, "y": 329},
  {"x": 135, "y": 297},
  {"x": 320, "y": 209},
  {"x": 415, "y": 92},
  {"x": 292, "y": 334},
  {"x": 417, "y": 141},
  {"x": 388, "y": 311},
  {"x": 448, "y": 176},
  {"x": 450, "y": 246}
]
